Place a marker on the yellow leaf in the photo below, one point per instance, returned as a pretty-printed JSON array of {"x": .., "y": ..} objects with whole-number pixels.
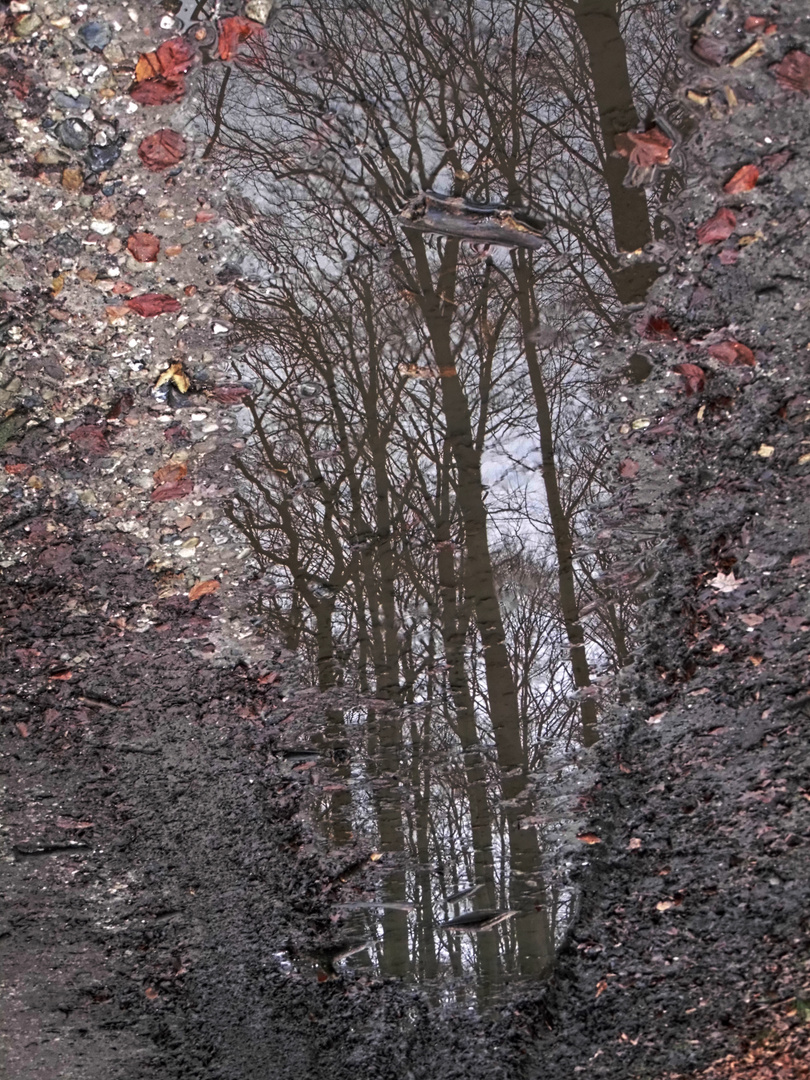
[
  {"x": 57, "y": 284},
  {"x": 375, "y": 856},
  {"x": 765, "y": 451},
  {"x": 174, "y": 373}
]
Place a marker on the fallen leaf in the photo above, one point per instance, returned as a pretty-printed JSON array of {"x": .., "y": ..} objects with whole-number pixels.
[
  {"x": 171, "y": 59},
  {"x": 765, "y": 451},
  {"x": 149, "y": 304},
  {"x": 203, "y": 588},
  {"x": 268, "y": 679},
  {"x": 719, "y": 227},
  {"x": 754, "y": 23},
  {"x": 793, "y": 71},
  {"x": 116, "y": 312},
  {"x": 57, "y": 284},
  {"x": 634, "y": 844},
  {"x": 719, "y": 648},
  {"x": 61, "y": 676},
  {"x": 151, "y": 993},
  {"x": 143, "y": 246},
  {"x": 725, "y": 583},
  {"x": 752, "y": 620},
  {"x": 774, "y": 162},
  {"x": 90, "y": 438},
  {"x": 162, "y": 149},
  {"x": 174, "y": 373},
  {"x": 694, "y": 377},
  {"x": 601, "y": 987},
  {"x": 744, "y": 179},
  {"x": 755, "y": 660},
  {"x": 732, "y": 354},
  {"x": 22, "y": 728},
  {"x": 69, "y": 823},
  {"x": 173, "y": 490},
  {"x": 657, "y": 328},
  {"x": 665, "y": 905},
  {"x": 589, "y": 838},
  {"x": 804, "y": 459},
  {"x": 172, "y": 250},
  {"x": 375, "y": 856},
  {"x": 175, "y": 470},
  {"x": 656, "y": 718},
  {"x": 158, "y": 91},
  {"x": 233, "y": 32},
  {"x": 644, "y": 148},
  {"x": 628, "y": 469},
  {"x": 229, "y": 395}
]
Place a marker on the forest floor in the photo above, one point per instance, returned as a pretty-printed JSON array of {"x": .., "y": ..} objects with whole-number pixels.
[{"x": 152, "y": 853}]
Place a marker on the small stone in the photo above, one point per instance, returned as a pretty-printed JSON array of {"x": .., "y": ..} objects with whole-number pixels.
[
  {"x": 73, "y": 134},
  {"x": 258, "y": 10},
  {"x": 114, "y": 54},
  {"x": 187, "y": 548},
  {"x": 96, "y": 35},
  {"x": 220, "y": 328},
  {"x": 100, "y": 158},
  {"x": 114, "y": 245},
  {"x": 49, "y": 155},
  {"x": 66, "y": 101},
  {"x": 103, "y": 228},
  {"x": 27, "y": 25}
]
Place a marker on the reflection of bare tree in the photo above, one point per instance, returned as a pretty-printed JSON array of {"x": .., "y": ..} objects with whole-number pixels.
[{"x": 389, "y": 362}]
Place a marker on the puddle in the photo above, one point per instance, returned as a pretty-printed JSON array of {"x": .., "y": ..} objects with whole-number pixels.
[{"x": 431, "y": 206}]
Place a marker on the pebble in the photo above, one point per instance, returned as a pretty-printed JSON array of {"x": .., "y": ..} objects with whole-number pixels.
[
  {"x": 258, "y": 10},
  {"x": 73, "y": 134},
  {"x": 96, "y": 35},
  {"x": 100, "y": 158},
  {"x": 67, "y": 101},
  {"x": 27, "y": 25}
]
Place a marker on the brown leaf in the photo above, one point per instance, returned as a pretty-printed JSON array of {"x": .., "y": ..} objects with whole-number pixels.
[
  {"x": 589, "y": 838},
  {"x": 158, "y": 91},
  {"x": 754, "y": 23},
  {"x": 644, "y": 148},
  {"x": 166, "y": 474},
  {"x": 628, "y": 469},
  {"x": 229, "y": 395},
  {"x": 61, "y": 676},
  {"x": 752, "y": 619},
  {"x": 174, "y": 490},
  {"x": 90, "y": 438},
  {"x": 171, "y": 59},
  {"x": 658, "y": 329},
  {"x": 694, "y": 377},
  {"x": 149, "y": 304},
  {"x": 270, "y": 678},
  {"x": 233, "y": 32},
  {"x": 732, "y": 354},
  {"x": 719, "y": 227},
  {"x": 22, "y": 728},
  {"x": 143, "y": 246},
  {"x": 164, "y": 148},
  {"x": 601, "y": 987},
  {"x": 151, "y": 993},
  {"x": 744, "y": 179},
  {"x": 203, "y": 588},
  {"x": 793, "y": 71},
  {"x": 774, "y": 162},
  {"x": 710, "y": 50}
]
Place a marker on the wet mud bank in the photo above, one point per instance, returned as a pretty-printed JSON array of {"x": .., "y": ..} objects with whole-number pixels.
[{"x": 209, "y": 781}]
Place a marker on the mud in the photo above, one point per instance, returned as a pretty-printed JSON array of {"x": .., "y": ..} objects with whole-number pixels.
[{"x": 169, "y": 899}]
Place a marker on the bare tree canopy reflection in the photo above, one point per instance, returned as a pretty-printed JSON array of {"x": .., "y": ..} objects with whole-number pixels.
[{"x": 441, "y": 230}]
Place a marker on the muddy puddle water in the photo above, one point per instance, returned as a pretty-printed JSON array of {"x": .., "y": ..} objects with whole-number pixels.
[{"x": 441, "y": 232}]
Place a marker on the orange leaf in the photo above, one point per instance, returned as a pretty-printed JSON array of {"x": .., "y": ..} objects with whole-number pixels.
[
  {"x": 203, "y": 588},
  {"x": 61, "y": 676},
  {"x": 270, "y": 677},
  {"x": 744, "y": 179},
  {"x": 732, "y": 354},
  {"x": 719, "y": 227},
  {"x": 151, "y": 993},
  {"x": 589, "y": 838},
  {"x": 175, "y": 470},
  {"x": 234, "y": 31}
]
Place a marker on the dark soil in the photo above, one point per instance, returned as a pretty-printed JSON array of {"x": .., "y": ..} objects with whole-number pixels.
[{"x": 154, "y": 856}]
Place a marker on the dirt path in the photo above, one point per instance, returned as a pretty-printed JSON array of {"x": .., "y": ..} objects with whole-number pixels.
[{"x": 153, "y": 854}]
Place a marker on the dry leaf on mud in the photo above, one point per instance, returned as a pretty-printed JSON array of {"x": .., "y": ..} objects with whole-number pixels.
[
  {"x": 733, "y": 354},
  {"x": 143, "y": 246},
  {"x": 229, "y": 395},
  {"x": 719, "y": 227},
  {"x": 149, "y": 304},
  {"x": 268, "y": 679},
  {"x": 601, "y": 987},
  {"x": 628, "y": 469},
  {"x": 171, "y": 59},
  {"x": 151, "y": 993},
  {"x": 725, "y": 583},
  {"x": 61, "y": 676},
  {"x": 162, "y": 149},
  {"x": 233, "y": 32},
  {"x": 657, "y": 328},
  {"x": 174, "y": 373},
  {"x": 644, "y": 148},
  {"x": 203, "y": 588},
  {"x": 175, "y": 470},
  {"x": 753, "y": 620},
  {"x": 90, "y": 438},
  {"x": 158, "y": 91},
  {"x": 744, "y": 179},
  {"x": 175, "y": 489},
  {"x": 22, "y": 728},
  {"x": 793, "y": 71},
  {"x": 589, "y": 838},
  {"x": 665, "y": 905},
  {"x": 765, "y": 451},
  {"x": 634, "y": 844},
  {"x": 375, "y": 856},
  {"x": 694, "y": 377}
]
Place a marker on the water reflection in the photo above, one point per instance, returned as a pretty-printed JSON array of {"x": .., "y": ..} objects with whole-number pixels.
[{"x": 419, "y": 477}]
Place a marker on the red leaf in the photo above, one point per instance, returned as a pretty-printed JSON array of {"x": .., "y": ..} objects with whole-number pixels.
[
  {"x": 234, "y": 31},
  {"x": 174, "y": 490},
  {"x": 732, "y": 354},
  {"x": 793, "y": 72},
  {"x": 166, "y": 147},
  {"x": 658, "y": 329},
  {"x": 754, "y": 23},
  {"x": 268, "y": 679},
  {"x": 744, "y": 179},
  {"x": 143, "y": 246},
  {"x": 719, "y": 227},
  {"x": 628, "y": 469},
  {"x": 644, "y": 148},
  {"x": 158, "y": 91},
  {"x": 175, "y": 57},
  {"x": 149, "y": 304},
  {"x": 175, "y": 470},
  {"x": 694, "y": 377},
  {"x": 728, "y": 256},
  {"x": 90, "y": 438},
  {"x": 61, "y": 676},
  {"x": 229, "y": 395}
]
